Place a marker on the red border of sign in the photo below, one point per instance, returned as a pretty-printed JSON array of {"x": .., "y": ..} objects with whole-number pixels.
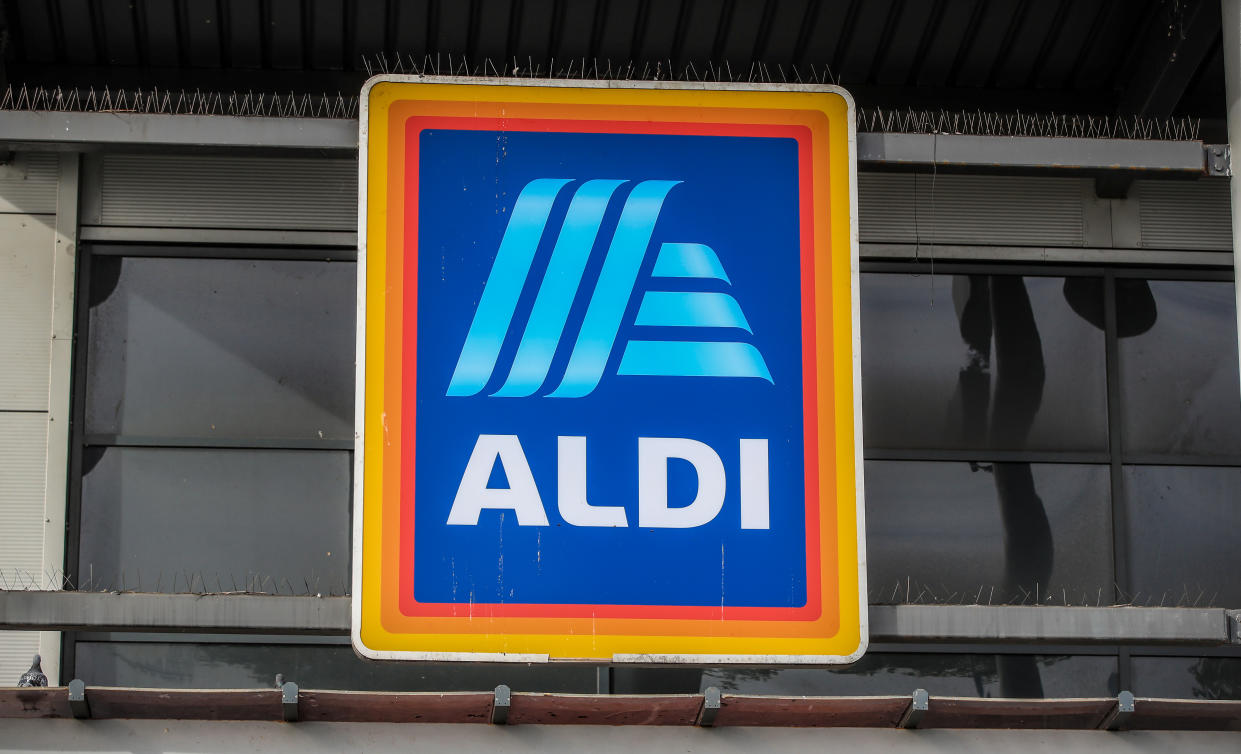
[{"x": 408, "y": 605}]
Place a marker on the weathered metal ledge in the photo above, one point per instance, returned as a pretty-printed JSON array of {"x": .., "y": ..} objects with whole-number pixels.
[
  {"x": 100, "y": 131},
  {"x": 709, "y": 709},
  {"x": 329, "y": 616}
]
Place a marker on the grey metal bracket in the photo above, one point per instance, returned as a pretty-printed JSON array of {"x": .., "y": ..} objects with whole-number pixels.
[
  {"x": 78, "y": 703},
  {"x": 500, "y": 706},
  {"x": 289, "y": 701},
  {"x": 918, "y": 705},
  {"x": 1118, "y": 718},
  {"x": 711, "y": 699},
  {"x": 1218, "y": 160}
]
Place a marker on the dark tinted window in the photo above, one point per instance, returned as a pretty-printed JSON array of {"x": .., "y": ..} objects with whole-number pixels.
[
  {"x": 1187, "y": 677},
  {"x": 881, "y": 674},
  {"x": 221, "y": 348},
  {"x": 311, "y": 666},
  {"x": 1183, "y": 526},
  {"x": 1178, "y": 367},
  {"x": 983, "y": 361},
  {"x": 216, "y": 520},
  {"x": 987, "y": 532}
]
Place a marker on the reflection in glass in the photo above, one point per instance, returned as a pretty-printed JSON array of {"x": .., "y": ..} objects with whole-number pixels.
[
  {"x": 983, "y": 361},
  {"x": 184, "y": 520},
  {"x": 1178, "y": 379},
  {"x": 240, "y": 666},
  {"x": 1187, "y": 677},
  {"x": 936, "y": 532},
  {"x": 221, "y": 348},
  {"x": 1183, "y": 524},
  {"x": 882, "y": 674}
]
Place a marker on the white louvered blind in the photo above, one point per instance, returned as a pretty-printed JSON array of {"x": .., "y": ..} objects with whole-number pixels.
[{"x": 204, "y": 191}]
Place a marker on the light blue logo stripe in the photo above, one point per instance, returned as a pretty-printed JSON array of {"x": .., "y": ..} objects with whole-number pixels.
[
  {"x": 690, "y": 309},
  {"x": 616, "y": 282},
  {"x": 556, "y": 294},
  {"x": 688, "y": 260},
  {"x": 504, "y": 284},
  {"x": 659, "y": 358}
]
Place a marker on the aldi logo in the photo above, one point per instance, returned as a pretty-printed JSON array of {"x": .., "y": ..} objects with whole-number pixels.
[
  {"x": 608, "y": 397},
  {"x": 606, "y": 310}
]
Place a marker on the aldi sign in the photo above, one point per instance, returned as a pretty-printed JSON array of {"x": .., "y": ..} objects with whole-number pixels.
[{"x": 608, "y": 399}]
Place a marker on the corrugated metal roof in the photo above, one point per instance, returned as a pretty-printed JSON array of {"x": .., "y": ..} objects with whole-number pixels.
[{"x": 1078, "y": 55}]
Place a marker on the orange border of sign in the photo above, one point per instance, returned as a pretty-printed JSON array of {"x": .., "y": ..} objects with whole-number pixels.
[{"x": 833, "y": 627}]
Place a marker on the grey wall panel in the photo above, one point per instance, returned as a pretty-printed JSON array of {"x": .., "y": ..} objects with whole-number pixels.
[
  {"x": 28, "y": 183},
  {"x": 23, "y": 444},
  {"x": 972, "y": 209},
  {"x": 178, "y": 191},
  {"x": 1185, "y": 214},
  {"x": 26, "y": 243}
]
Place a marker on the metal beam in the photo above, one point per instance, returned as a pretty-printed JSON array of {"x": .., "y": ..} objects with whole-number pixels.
[
  {"x": 1175, "y": 47},
  {"x": 76, "y": 131},
  {"x": 1231, "y": 13},
  {"x": 1023, "y": 153},
  {"x": 1050, "y": 625},
  {"x": 298, "y": 615},
  {"x": 208, "y": 613}
]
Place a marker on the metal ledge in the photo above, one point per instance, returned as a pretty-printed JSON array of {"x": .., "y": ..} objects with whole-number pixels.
[
  {"x": 1017, "y": 153},
  {"x": 329, "y": 616},
  {"x": 82, "y": 131},
  {"x": 141, "y": 612},
  {"x": 74, "y": 131},
  {"x": 1050, "y": 625}
]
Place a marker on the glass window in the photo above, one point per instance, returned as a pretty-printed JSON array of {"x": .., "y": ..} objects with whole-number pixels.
[
  {"x": 1187, "y": 677},
  {"x": 629, "y": 680},
  {"x": 983, "y": 361},
  {"x": 310, "y": 666},
  {"x": 221, "y": 348},
  {"x": 988, "y": 532},
  {"x": 1178, "y": 366},
  {"x": 884, "y": 674},
  {"x": 1182, "y": 531},
  {"x": 192, "y": 520}
]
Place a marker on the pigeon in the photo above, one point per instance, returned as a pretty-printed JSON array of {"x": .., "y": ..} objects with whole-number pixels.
[{"x": 34, "y": 676}]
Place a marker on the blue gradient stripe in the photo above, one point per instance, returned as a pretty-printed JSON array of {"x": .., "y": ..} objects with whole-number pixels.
[
  {"x": 508, "y": 276},
  {"x": 560, "y": 284},
  {"x": 690, "y": 309},
  {"x": 662, "y": 358},
  {"x": 616, "y": 281},
  {"x": 688, "y": 260}
]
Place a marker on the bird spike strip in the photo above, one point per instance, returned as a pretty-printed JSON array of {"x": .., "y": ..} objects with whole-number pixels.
[
  {"x": 906, "y": 591},
  {"x": 291, "y": 105}
]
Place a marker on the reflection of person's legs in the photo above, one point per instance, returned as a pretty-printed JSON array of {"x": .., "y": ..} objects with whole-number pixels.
[
  {"x": 1020, "y": 377},
  {"x": 1028, "y": 547},
  {"x": 1019, "y": 676},
  {"x": 1019, "y": 370},
  {"x": 974, "y": 379}
]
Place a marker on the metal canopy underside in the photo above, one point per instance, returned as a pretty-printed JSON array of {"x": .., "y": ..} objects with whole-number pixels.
[{"x": 1150, "y": 57}]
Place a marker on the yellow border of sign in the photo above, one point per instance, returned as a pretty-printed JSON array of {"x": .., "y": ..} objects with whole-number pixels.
[{"x": 837, "y": 312}]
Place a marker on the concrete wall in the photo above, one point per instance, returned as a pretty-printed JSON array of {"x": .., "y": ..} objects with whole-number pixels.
[{"x": 36, "y": 308}]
